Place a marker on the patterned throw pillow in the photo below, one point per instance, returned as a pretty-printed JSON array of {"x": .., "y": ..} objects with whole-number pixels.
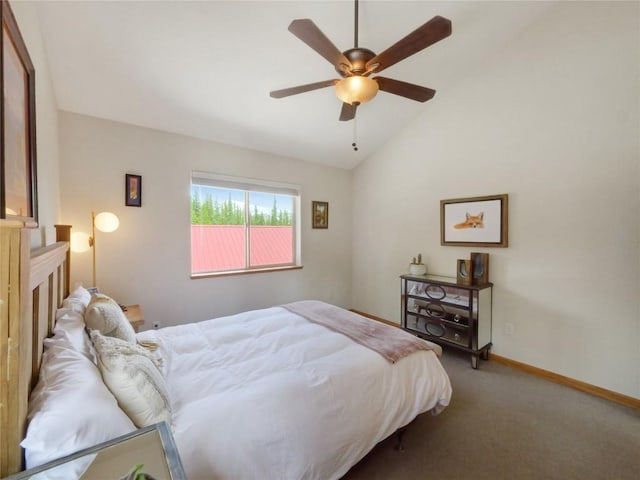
[
  {"x": 105, "y": 315},
  {"x": 133, "y": 377}
]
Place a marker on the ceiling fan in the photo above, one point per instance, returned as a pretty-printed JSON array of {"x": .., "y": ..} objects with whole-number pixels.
[{"x": 357, "y": 64}]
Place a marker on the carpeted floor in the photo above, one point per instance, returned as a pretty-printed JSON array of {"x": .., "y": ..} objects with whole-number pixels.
[{"x": 506, "y": 424}]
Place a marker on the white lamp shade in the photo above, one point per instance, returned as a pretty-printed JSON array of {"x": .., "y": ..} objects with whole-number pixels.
[
  {"x": 356, "y": 89},
  {"x": 79, "y": 242},
  {"x": 106, "y": 222}
]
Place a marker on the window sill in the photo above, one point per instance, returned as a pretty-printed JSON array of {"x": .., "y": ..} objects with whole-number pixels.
[{"x": 196, "y": 276}]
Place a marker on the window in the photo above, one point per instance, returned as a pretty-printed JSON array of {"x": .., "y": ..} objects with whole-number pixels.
[{"x": 241, "y": 225}]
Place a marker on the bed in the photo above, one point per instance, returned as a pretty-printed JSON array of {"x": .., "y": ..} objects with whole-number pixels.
[{"x": 270, "y": 393}]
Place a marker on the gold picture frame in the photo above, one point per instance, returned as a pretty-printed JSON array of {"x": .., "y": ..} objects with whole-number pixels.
[
  {"x": 320, "y": 214},
  {"x": 475, "y": 221},
  {"x": 18, "y": 188}
]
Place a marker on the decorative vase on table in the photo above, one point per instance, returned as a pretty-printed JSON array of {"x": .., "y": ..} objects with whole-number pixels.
[{"x": 416, "y": 267}]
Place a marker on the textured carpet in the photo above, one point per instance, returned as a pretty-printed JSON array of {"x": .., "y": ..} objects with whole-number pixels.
[{"x": 506, "y": 424}]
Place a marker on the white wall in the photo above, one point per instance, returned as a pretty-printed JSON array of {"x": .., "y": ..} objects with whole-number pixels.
[
  {"x": 46, "y": 125},
  {"x": 147, "y": 260},
  {"x": 553, "y": 120}
]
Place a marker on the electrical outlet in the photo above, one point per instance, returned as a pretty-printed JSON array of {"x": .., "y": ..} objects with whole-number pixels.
[
  {"x": 156, "y": 325},
  {"x": 509, "y": 328}
]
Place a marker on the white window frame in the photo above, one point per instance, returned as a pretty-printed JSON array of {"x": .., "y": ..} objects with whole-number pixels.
[{"x": 251, "y": 185}]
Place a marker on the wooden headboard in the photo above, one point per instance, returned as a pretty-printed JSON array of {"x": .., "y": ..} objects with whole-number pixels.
[{"x": 33, "y": 284}]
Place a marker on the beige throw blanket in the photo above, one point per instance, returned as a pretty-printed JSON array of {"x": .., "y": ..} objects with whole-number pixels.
[{"x": 390, "y": 342}]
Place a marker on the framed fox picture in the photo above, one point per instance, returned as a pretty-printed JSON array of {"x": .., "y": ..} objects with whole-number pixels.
[{"x": 476, "y": 221}]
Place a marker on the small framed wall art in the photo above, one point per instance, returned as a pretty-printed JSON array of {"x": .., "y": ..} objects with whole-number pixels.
[
  {"x": 133, "y": 190},
  {"x": 18, "y": 184},
  {"x": 320, "y": 214},
  {"x": 476, "y": 221}
]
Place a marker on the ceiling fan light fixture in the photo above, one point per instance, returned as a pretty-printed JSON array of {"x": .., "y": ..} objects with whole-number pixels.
[{"x": 356, "y": 89}]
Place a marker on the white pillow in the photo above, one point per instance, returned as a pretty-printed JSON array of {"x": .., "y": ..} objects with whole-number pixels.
[
  {"x": 105, "y": 315},
  {"x": 81, "y": 294},
  {"x": 70, "y": 326},
  {"x": 78, "y": 300},
  {"x": 70, "y": 407},
  {"x": 134, "y": 379}
]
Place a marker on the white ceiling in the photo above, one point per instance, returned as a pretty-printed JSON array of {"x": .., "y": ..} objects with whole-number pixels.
[{"x": 205, "y": 68}]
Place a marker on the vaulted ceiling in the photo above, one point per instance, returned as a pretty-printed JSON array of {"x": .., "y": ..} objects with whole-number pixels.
[{"x": 205, "y": 68}]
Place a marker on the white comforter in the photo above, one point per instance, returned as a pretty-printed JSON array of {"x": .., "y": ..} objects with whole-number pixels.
[{"x": 268, "y": 395}]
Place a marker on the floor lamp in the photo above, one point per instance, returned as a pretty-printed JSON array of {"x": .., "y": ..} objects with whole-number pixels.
[{"x": 81, "y": 242}]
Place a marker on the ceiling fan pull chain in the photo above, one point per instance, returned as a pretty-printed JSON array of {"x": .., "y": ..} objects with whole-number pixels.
[{"x": 354, "y": 144}]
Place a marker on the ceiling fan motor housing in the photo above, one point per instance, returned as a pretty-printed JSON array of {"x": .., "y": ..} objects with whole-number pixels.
[{"x": 358, "y": 58}]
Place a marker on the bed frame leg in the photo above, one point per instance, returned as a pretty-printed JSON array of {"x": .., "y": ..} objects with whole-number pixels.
[{"x": 400, "y": 435}]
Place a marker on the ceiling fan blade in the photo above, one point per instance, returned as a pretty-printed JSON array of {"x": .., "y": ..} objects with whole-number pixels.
[
  {"x": 348, "y": 112},
  {"x": 431, "y": 32},
  {"x": 286, "y": 92},
  {"x": 404, "y": 89},
  {"x": 309, "y": 33}
]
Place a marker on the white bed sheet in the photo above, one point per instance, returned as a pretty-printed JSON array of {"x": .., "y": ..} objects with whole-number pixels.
[{"x": 266, "y": 394}]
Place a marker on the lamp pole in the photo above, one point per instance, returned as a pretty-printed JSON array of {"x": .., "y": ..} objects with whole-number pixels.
[{"x": 92, "y": 243}]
